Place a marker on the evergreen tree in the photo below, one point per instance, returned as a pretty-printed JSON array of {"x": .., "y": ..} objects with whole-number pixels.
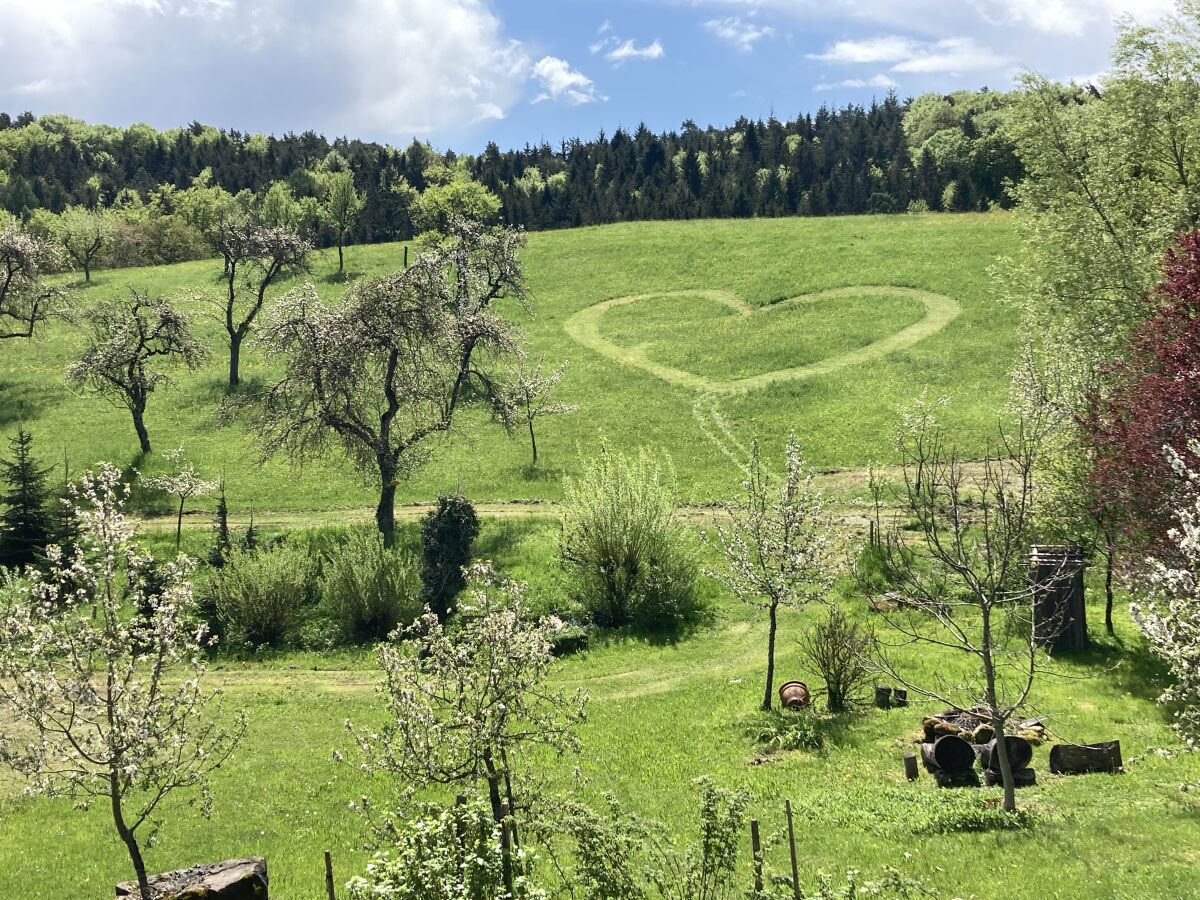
[{"x": 26, "y": 525}]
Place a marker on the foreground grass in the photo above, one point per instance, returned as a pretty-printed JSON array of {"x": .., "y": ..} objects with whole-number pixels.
[
  {"x": 845, "y": 418},
  {"x": 662, "y": 714}
]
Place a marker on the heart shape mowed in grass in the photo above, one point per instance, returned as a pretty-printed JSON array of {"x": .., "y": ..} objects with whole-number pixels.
[{"x": 940, "y": 310}]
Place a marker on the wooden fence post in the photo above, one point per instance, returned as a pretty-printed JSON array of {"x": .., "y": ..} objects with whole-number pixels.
[
  {"x": 787, "y": 805},
  {"x": 756, "y": 848},
  {"x": 329, "y": 876}
]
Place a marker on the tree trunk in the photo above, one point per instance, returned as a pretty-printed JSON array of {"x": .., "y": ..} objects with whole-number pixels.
[
  {"x": 341, "y": 263},
  {"x": 235, "y": 357},
  {"x": 179, "y": 524},
  {"x": 127, "y": 836},
  {"x": 385, "y": 512},
  {"x": 767, "y": 698},
  {"x": 1006, "y": 773},
  {"x": 87, "y": 273},
  {"x": 533, "y": 441},
  {"x": 139, "y": 425},
  {"x": 1109, "y": 557}
]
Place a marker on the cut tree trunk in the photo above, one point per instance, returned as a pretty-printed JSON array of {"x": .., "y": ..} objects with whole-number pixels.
[
  {"x": 949, "y": 754},
  {"x": 1020, "y": 754},
  {"x": 1079, "y": 759},
  {"x": 883, "y": 696}
]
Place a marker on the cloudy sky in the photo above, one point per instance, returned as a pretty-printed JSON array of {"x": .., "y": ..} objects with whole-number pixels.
[{"x": 462, "y": 72}]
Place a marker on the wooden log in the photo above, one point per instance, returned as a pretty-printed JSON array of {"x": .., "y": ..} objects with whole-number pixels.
[
  {"x": 883, "y": 696},
  {"x": 949, "y": 753},
  {"x": 1079, "y": 759},
  {"x": 1020, "y": 753},
  {"x": 1021, "y": 778},
  {"x": 911, "y": 772}
]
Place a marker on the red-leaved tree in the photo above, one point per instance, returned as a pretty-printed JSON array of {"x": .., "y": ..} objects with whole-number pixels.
[{"x": 1152, "y": 402}]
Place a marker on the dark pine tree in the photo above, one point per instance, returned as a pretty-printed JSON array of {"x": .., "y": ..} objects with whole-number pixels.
[{"x": 27, "y": 525}]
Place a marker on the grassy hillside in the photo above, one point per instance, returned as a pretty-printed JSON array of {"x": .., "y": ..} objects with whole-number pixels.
[{"x": 834, "y": 367}]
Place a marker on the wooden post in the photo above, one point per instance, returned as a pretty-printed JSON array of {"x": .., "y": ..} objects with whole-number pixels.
[
  {"x": 329, "y": 876},
  {"x": 900, "y": 695},
  {"x": 787, "y": 806},
  {"x": 406, "y": 256},
  {"x": 911, "y": 772},
  {"x": 756, "y": 848}
]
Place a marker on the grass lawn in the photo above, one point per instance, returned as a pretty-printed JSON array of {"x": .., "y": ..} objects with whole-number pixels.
[
  {"x": 845, "y": 417},
  {"x": 661, "y": 715}
]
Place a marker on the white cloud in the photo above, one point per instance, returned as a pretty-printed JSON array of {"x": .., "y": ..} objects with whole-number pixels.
[
  {"x": 962, "y": 54},
  {"x": 1069, "y": 17},
  {"x": 881, "y": 81},
  {"x": 561, "y": 82},
  {"x": 886, "y": 49},
  {"x": 957, "y": 54},
  {"x": 33, "y": 88},
  {"x": 740, "y": 33},
  {"x": 629, "y": 50}
]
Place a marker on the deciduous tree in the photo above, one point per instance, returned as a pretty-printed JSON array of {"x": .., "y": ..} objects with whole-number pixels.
[
  {"x": 777, "y": 545},
  {"x": 99, "y": 705},
  {"x": 26, "y": 303},
  {"x": 256, "y": 256},
  {"x": 183, "y": 483},
  {"x": 525, "y": 396},
  {"x": 387, "y": 368},
  {"x": 129, "y": 343},
  {"x": 340, "y": 207},
  {"x": 83, "y": 233}
]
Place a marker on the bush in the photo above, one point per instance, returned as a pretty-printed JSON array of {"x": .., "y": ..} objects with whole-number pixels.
[
  {"x": 447, "y": 534},
  {"x": 631, "y": 562},
  {"x": 839, "y": 649},
  {"x": 261, "y": 598},
  {"x": 781, "y": 731},
  {"x": 369, "y": 589}
]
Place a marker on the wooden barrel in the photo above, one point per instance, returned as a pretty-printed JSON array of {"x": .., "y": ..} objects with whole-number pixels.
[
  {"x": 793, "y": 695},
  {"x": 949, "y": 753},
  {"x": 1020, "y": 754}
]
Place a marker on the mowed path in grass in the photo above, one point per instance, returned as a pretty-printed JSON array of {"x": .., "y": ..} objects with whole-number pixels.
[
  {"x": 586, "y": 327},
  {"x": 844, "y": 409}
]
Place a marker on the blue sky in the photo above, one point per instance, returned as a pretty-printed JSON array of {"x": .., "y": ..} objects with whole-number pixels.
[{"x": 462, "y": 72}]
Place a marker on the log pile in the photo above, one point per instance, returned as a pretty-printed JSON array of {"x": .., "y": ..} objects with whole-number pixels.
[{"x": 954, "y": 739}]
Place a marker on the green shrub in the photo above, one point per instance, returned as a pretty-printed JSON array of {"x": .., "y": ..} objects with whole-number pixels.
[
  {"x": 783, "y": 730},
  {"x": 447, "y": 534},
  {"x": 262, "y": 598},
  {"x": 368, "y": 589},
  {"x": 630, "y": 561}
]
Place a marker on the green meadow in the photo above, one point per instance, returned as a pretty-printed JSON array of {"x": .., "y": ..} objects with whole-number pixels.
[
  {"x": 687, "y": 337},
  {"x": 845, "y": 416}
]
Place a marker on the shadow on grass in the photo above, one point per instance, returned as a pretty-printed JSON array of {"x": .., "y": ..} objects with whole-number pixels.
[
  {"x": 1124, "y": 668},
  {"x": 21, "y": 402}
]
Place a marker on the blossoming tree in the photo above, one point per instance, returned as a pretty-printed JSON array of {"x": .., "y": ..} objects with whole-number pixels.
[{"x": 97, "y": 704}]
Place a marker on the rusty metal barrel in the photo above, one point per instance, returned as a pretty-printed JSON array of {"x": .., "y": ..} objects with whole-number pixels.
[{"x": 793, "y": 695}]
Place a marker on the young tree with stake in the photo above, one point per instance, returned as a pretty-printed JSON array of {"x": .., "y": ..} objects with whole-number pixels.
[
  {"x": 525, "y": 396},
  {"x": 183, "y": 483},
  {"x": 388, "y": 368},
  {"x": 127, "y": 339},
  {"x": 98, "y": 705},
  {"x": 340, "y": 207},
  {"x": 777, "y": 545},
  {"x": 966, "y": 582}
]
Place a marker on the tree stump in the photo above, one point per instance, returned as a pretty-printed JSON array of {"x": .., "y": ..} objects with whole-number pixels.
[
  {"x": 235, "y": 879},
  {"x": 1080, "y": 759},
  {"x": 900, "y": 695},
  {"x": 911, "y": 772}
]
